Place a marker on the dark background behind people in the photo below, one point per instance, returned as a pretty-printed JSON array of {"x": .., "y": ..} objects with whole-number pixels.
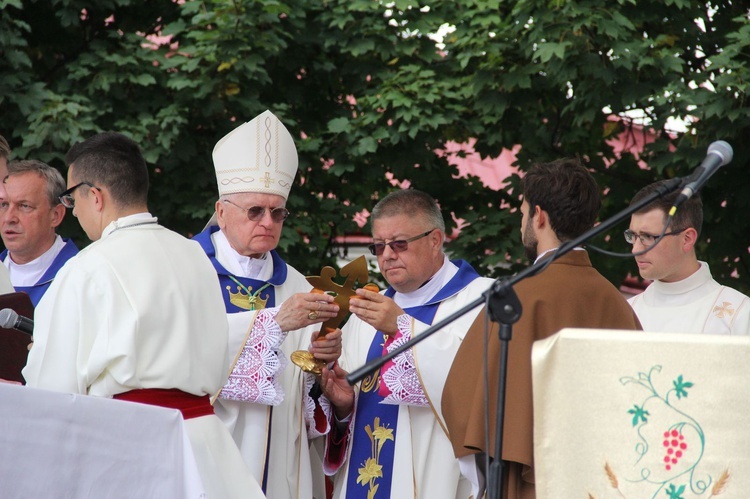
[
  {"x": 365, "y": 101},
  {"x": 561, "y": 202}
]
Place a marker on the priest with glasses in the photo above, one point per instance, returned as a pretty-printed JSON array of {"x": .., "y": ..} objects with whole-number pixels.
[
  {"x": 269, "y": 405},
  {"x": 683, "y": 297},
  {"x": 389, "y": 439}
]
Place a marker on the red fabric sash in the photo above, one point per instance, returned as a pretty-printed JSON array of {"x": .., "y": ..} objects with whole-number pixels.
[{"x": 191, "y": 406}]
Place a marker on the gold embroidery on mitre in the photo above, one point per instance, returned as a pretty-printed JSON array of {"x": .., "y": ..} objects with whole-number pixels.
[
  {"x": 268, "y": 180},
  {"x": 245, "y": 300},
  {"x": 725, "y": 308},
  {"x": 268, "y": 136},
  {"x": 238, "y": 180}
]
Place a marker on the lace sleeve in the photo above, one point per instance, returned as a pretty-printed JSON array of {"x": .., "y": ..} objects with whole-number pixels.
[
  {"x": 400, "y": 383},
  {"x": 253, "y": 378},
  {"x": 317, "y": 408}
]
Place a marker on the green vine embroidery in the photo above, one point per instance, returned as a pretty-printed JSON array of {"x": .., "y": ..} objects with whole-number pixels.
[{"x": 682, "y": 441}]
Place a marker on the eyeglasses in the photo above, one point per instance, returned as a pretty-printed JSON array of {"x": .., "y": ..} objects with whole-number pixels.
[
  {"x": 377, "y": 249},
  {"x": 648, "y": 239},
  {"x": 256, "y": 213},
  {"x": 66, "y": 198}
]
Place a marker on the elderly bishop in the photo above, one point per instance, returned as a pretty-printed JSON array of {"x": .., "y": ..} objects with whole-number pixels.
[{"x": 267, "y": 403}]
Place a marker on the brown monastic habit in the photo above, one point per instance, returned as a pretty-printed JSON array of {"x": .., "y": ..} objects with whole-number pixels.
[{"x": 569, "y": 293}]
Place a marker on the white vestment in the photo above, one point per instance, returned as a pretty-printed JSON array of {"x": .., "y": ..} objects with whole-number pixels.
[
  {"x": 424, "y": 464},
  {"x": 140, "y": 308},
  {"x": 280, "y": 418},
  {"x": 5, "y": 284},
  {"x": 697, "y": 304}
]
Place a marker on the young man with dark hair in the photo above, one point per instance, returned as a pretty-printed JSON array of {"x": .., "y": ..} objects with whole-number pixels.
[
  {"x": 683, "y": 296},
  {"x": 561, "y": 201},
  {"x": 137, "y": 315}
]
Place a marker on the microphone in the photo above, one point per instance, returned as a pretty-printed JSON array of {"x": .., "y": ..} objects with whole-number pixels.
[
  {"x": 719, "y": 154},
  {"x": 9, "y": 319}
]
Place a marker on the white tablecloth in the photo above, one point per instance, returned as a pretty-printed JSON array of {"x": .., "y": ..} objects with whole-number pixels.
[{"x": 73, "y": 446}]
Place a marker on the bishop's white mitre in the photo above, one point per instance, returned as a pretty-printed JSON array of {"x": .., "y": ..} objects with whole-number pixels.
[{"x": 258, "y": 156}]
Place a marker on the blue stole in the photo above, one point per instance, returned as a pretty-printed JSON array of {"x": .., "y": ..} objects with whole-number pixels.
[
  {"x": 36, "y": 291},
  {"x": 243, "y": 293},
  {"x": 249, "y": 294},
  {"x": 375, "y": 424}
]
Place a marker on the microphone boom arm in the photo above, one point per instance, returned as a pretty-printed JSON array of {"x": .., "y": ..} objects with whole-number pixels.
[{"x": 360, "y": 373}]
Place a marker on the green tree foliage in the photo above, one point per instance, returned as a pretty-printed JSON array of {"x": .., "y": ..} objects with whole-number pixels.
[{"x": 373, "y": 97}]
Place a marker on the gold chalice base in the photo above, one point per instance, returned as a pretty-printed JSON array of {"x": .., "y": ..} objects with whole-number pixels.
[{"x": 305, "y": 361}]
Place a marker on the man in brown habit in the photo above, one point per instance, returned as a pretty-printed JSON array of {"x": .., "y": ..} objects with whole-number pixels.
[{"x": 561, "y": 201}]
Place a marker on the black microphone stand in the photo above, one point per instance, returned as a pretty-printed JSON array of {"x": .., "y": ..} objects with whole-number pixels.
[{"x": 505, "y": 308}]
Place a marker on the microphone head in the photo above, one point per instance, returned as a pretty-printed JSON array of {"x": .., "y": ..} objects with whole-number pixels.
[
  {"x": 8, "y": 318},
  {"x": 723, "y": 150}
]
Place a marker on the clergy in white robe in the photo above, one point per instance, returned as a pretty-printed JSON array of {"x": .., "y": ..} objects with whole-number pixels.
[
  {"x": 35, "y": 277},
  {"x": 422, "y": 461},
  {"x": 696, "y": 304},
  {"x": 683, "y": 297},
  {"x": 267, "y": 404},
  {"x": 128, "y": 316},
  {"x": 396, "y": 443}
]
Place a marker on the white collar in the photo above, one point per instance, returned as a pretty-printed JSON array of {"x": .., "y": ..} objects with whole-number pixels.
[
  {"x": 144, "y": 218},
  {"x": 430, "y": 288},
  {"x": 241, "y": 265},
  {"x": 693, "y": 281},
  {"x": 28, "y": 274},
  {"x": 577, "y": 248}
]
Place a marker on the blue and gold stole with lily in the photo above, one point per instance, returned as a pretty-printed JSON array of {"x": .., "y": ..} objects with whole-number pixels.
[{"x": 375, "y": 424}]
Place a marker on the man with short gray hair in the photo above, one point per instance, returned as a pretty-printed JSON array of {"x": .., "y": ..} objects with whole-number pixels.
[
  {"x": 29, "y": 216},
  {"x": 270, "y": 406}
]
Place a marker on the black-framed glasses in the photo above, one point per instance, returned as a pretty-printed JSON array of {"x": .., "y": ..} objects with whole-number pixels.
[
  {"x": 398, "y": 246},
  {"x": 66, "y": 198},
  {"x": 648, "y": 239},
  {"x": 255, "y": 213}
]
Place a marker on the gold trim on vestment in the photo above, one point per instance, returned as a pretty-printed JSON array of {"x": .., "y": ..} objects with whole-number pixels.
[
  {"x": 421, "y": 382},
  {"x": 239, "y": 353}
]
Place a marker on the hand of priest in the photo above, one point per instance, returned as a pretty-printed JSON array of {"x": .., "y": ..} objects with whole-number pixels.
[
  {"x": 327, "y": 348},
  {"x": 304, "y": 309},
  {"x": 337, "y": 390},
  {"x": 377, "y": 310}
]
